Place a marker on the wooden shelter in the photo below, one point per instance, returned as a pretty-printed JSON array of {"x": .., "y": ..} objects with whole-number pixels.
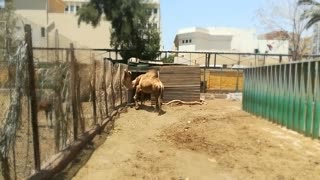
[{"x": 181, "y": 82}]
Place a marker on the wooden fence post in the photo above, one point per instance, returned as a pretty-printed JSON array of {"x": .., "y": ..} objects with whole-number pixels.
[
  {"x": 79, "y": 105},
  {"x": 93, "y": 91},
  {"x": 105, "y": 86},
  {"x": 237, "y": 83},
  {"x": 112, "y": 89},
  {"x": 73, "y": 93},
  {"x": 33, "y": 97},
  {"x": 119, "y": 69}
]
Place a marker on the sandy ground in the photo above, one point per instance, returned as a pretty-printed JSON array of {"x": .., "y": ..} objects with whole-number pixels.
[{"x": 213, "y": 141}]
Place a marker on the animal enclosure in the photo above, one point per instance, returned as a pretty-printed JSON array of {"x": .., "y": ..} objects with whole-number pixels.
[
  {"x": 180, "y": 82},
  {"x": 286, "y": 94},
  {"x": 80, "y": 97},
  {"x": 223, "y": 80},
  {"x": 213, "y": 141}
]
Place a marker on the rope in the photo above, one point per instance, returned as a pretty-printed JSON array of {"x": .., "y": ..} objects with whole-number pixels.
[{"x": 184, "y": 102}]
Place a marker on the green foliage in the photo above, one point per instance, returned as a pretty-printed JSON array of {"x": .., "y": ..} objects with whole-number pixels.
[
  {"x": 169, "y": 59},
  {"x": 8, "y": 29},
  {"x": 130, "y": 31}
]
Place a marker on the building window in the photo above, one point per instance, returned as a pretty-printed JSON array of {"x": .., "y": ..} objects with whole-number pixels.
[
  {"x": 155, "y": 25},
  {"x": 43, "y": 32},
  {"x": 72, "y": 9},
  {"x": 66, "y": 9},
  {"x": 182, "y": 41},
  {"x": 155, "y": 11},
  {"x": 190, "y": 41},
  {"x": 77, "y": 8},
  {"x": 148, "y": 11}
]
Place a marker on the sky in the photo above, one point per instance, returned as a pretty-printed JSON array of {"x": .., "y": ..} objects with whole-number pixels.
[
  {"x": 178, "y": 14},
  {"x": 1, "y": 3}
]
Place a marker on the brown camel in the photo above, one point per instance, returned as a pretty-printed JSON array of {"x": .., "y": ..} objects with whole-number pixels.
[{"x": 148, "y": 83}]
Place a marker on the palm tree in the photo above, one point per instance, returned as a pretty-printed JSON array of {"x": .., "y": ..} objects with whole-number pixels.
[{"x": 313, "y": 14}]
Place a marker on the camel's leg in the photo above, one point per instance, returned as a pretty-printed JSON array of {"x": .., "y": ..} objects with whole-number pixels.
[
  {"x": 159, "y": 103},
  {"x": 50, "y": 116},
  {"x": 142, "y": 98},
  {"x": 135, "y": 97}
]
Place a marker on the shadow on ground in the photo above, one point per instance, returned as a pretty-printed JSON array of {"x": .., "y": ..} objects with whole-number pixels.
[{"x": 72, "y": 169}]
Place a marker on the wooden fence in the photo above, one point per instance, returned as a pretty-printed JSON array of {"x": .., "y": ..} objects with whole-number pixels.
[
  {"x": 181, "y": 83},
  {"x": 223, "y": 80},
  {"x": 82, "y": 98}
]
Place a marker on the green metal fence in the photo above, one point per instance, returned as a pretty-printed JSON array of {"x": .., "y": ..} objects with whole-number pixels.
[{"x": 286, "y": 94}]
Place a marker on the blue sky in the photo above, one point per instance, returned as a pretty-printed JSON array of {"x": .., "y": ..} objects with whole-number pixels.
[
  {"x": 1, "y": 3},
  {"x": 177, "y": 14}
]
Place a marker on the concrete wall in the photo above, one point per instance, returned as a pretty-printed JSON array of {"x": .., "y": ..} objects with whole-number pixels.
[
  {"x": 34, "y": 12},
  {"x": 278, "y": 46},
  {"x": 30, "y": 4},
  {"x": 198, "y": 41},
  {"x": 67, "y": 25},
  {"x": 227, "y": 40},
  {"x": 85, "y": 35}
]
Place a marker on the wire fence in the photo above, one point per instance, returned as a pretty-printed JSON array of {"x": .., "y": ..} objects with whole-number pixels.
[
  {"x": 50, "y": 96},
  {"x": 46, "y": 104}
]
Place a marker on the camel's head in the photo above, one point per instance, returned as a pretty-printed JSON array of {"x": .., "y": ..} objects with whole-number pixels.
[{"x": 127, "y": 79}]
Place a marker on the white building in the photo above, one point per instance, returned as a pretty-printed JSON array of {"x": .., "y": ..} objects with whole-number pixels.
[
  {"x": 49, "y": 16},
  {"x": 221, "y": 39}
]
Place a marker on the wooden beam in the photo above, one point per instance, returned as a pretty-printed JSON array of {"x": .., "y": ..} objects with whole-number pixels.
[{"x": 61, "y": 160}]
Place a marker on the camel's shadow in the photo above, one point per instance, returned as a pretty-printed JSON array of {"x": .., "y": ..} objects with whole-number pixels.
[{"x": 149, "y": 108}]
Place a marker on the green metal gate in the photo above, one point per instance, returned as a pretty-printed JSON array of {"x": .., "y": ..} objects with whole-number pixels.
[{"x": 286, "y": 94}]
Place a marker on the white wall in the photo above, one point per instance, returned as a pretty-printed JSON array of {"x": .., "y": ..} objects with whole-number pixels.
[
  {"x": 36, "y": 16},
  {"x": 86, "y": 35},
  {"x": 227, "y": 39},
  {"x": 67, "y": 25},
  {"x": 278, "y": 46}
]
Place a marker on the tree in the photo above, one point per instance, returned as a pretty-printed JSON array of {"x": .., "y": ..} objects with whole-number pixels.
[
  {"x": 8, "y": 30},
  {"x": 130, "y": 32},
  {"x": 285, "y": 16},
  {"x": 169, "y": 59},
  {"x": 312, "y": 14}
]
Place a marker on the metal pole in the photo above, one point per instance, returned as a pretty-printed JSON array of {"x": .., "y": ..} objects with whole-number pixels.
[
  {"x": 255, "y": 60},
  {"x": 215, "y": 60},
  {"x": 33, "y": 97},
  {"x": 73, "y": 93},
  {"x": 237, "y": 83},
  {"x": 47, "y": 33}
]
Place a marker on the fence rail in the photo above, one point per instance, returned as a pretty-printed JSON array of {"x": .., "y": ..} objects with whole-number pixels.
[
  {"x": 48, "y": 105},
  {"x": 286, "y": 94}
]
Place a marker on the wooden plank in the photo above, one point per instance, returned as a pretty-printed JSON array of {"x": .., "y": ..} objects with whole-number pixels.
[{"x": 181, "y": 82}]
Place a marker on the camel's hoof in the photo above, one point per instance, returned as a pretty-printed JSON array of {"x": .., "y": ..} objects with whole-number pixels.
[
  {"x": 161, "y": 112},
  {"x": 137, "y": 108}
]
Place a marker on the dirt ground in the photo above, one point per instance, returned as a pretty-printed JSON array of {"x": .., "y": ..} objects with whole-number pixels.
[{"x": 213, "y": 141}]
